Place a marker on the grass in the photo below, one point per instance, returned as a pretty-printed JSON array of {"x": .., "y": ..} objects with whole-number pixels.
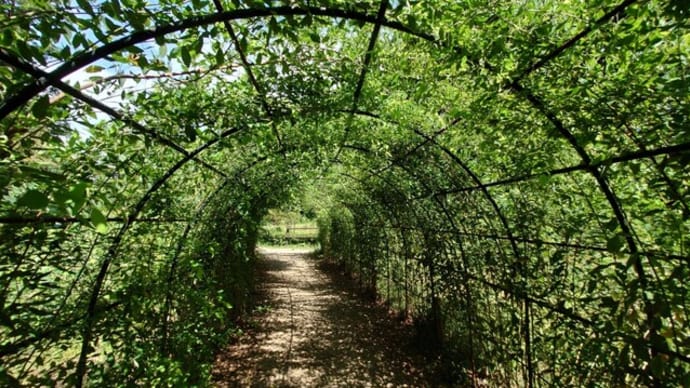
[{"x": 289, "y": 247}]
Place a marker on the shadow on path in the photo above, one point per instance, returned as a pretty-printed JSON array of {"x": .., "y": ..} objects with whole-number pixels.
[{"x": 318, "y": 332}]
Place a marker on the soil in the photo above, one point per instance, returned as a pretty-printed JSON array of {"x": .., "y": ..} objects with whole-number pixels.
[{"x": 313, "y": 329}]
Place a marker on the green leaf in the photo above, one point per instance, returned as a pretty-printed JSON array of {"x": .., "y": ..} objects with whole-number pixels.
[
  {"x": 24, "y": 49},
  {"x": 186, "y": 59},
  {"x": 99, "y": 221},
  {"x": 198, "y": 46},
  {"x": 7, "y": 37},
  {"x": 220, "y": 57},
  {"x": 34, "y": 199},
  {"x": 40, "y": 107},
  {"x": 143, "y": 62},
  {"x": 611, "y": 225},
  {"x": 190, "y": 132},
  {"x": 84, "y": 4},
  {"x": 137, "y": 21},
  {"x": 544, "y": 180},
  {"x": 616, "y": 243},
  {"x": 6, "y": 319},
  {"x": 678, "y": 9},
  {"x": 93, "y": 69},
  {"x": 78, "y": 195},
  {"x": 243, "y": 44},
  {"x": 411, "y": 21},
  {"x": 273, "y": 25},
  {"x": 115, "y": 9}
]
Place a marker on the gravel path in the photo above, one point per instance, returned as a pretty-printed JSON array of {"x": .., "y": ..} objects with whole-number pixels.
[{"x": 316, "y": 332}]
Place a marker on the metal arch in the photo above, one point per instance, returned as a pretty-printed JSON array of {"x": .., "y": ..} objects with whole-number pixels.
[
  {"x": 250, "y": 73},
  {"x": 390, "y": 213},
  {"x": 484, "y": 190},
  {"x": 463, "y": 165},
  {"x": 512, "y": 239},
  {"x": 28, "y": 68},
  {"x": 466, "y": 277},
  {"x": 603, "y": 184},
  {"x": 380, "y": 16},
  {"x": 587, "y": 161},
  {"x": 387, "y": 183},
  {"x": 395, "y": 187},
  {"x": 539, "y": 105},
  {"x": 55, "y": 331},
  {"x": 521, "y": 294},
  {"x": 618, "y": 10},
  {"x": 393, "y": 213},
  {"x": 183, "y": 238},
  {"x": 113, "y": 250},
  {"x": 587, "y": 165},
  {"x": 544, "y": 304},
  {"x": 167, "y": 305},
  {"x": 386, "y": 207},
  {"x": 529, "y": 375},
  {"x": 87, "y": 57},
  {"x": 592, "y": 168},
  {"x": 409, "y": 172},
  {"x": 394, "y": 164},
  {"x": 626, "y": 157},
  {"x": 617, "y": 209},
  {"x": 34, "y": 88},
  {"x": 560, "y": 310}
]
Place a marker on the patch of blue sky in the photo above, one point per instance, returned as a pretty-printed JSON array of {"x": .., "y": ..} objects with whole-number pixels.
[
  {"x": 111, "y": 68},
  {"x": 109, "y": 93}
]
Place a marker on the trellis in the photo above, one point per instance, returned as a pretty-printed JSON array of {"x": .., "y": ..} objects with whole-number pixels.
[{"x": 430, "y": 200}]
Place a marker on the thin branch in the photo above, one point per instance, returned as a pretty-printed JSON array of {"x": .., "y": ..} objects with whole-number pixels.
[
  {"x": 139, "y": 77},
  {"x": 38, "y": 73},
  {"x": 571, "y": 42},
  {"x": 380, "y": 17}
]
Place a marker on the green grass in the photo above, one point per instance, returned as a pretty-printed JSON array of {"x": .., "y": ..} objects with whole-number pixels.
[
  {"x": 289, "y": 233},
  {"x": 293, "y": 246}
]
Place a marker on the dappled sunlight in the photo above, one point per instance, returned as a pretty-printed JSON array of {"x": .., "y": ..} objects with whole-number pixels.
[
  {"x": 510, "y": 178},
  {"x": 318, "y": 332}
]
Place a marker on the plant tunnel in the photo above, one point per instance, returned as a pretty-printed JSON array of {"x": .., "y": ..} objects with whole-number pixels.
[{"x": 513, "y": 175}]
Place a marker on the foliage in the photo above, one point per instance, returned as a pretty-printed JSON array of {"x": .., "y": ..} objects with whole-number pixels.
[{"x": 513, "y": 175}]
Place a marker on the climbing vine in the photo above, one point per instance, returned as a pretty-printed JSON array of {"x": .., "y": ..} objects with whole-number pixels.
[{"x": 511, "y": 176}]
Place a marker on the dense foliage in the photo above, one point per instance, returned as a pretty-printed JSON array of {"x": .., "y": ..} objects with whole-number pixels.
[{"x": 513, "y": 175}]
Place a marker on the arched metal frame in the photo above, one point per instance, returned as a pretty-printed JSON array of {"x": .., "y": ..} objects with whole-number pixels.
[
  {"x": 113, "y": 249},
  {"x": 592, "y": 167},
  {"x": 183, "y": 239},
  {"x": 522, "y": 294},
  {"x": 81, "y": 60}
]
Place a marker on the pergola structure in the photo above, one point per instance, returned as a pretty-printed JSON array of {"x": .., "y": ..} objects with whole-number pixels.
[{"x": 513, "y": 172}]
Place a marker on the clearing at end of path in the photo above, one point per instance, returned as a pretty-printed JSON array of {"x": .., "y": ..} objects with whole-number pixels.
[{"x": 318, "y": 332}]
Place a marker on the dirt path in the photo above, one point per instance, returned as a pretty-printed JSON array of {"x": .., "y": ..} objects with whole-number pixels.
[{"x": 318, "y": 332}]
